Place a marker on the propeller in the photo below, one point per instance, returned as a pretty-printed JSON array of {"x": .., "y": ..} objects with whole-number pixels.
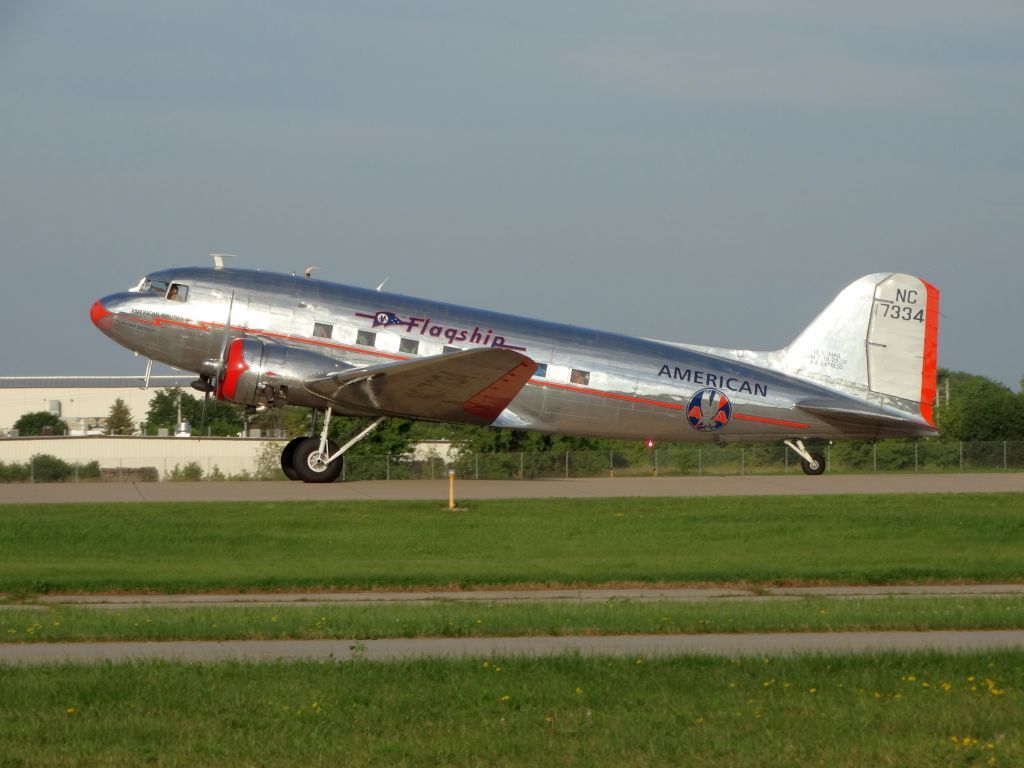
[{"x": 222, "y": 364}]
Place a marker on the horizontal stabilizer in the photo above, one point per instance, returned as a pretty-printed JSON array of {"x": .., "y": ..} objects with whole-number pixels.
[
  {"x": 861, "y": 414},
  {"x": 472, "y": 386}
]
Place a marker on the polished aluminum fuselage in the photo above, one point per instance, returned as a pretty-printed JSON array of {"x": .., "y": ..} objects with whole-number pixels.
[{"x": 595, "y": 383}]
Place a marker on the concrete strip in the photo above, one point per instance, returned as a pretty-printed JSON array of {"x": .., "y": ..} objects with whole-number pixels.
[
  {"x": 647, "y": 594},
  {"x": 749, "y": 485},
  {"x": 781, "y": 644}
]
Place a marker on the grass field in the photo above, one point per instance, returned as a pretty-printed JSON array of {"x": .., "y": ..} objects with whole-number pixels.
[
  {"x": 509, "y": 619},
  {"x": 899, "y": 710},
  {"x": 190, "y": 547}
]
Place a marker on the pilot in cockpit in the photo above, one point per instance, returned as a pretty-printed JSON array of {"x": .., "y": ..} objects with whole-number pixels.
[{"x": 173, "y": 293}]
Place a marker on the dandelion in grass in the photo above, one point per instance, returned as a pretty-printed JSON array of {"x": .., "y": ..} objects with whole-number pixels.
[
  {"x": 579, "y": 691},
  {"x": 505, "y": 697},
  {"x": 71, "y": 710}
]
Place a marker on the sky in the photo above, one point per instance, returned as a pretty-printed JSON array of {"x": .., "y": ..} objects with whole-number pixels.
[{"x": 705, "y": 172}]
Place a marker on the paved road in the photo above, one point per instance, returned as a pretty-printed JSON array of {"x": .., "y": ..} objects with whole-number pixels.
[
  {"x": 749, "y": 485},
  {"x": 781, "y": 644},
  {"x": 647, "y": 594}
]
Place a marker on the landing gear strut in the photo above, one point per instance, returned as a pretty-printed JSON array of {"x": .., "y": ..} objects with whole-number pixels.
[
  {"x": 317, "y": 459},
  {"x": 810, "y": 463}
]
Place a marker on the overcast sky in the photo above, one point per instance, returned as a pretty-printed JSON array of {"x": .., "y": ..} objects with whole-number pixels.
[{"x": 707, "y": 172}]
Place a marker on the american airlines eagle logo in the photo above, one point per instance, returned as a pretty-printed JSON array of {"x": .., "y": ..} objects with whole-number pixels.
[{"x": 709, "y": 409}]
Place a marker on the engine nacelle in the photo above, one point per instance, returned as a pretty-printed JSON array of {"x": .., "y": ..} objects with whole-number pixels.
[{"x": 258, "y": 373}]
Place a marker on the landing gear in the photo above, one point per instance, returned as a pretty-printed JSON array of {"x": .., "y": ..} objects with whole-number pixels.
[
  {"x": 287, "y": 458},
  {"x": 311, "y": 464},
  {"x": 317, "y": 459},
  {"x": 810, "y": 463}
]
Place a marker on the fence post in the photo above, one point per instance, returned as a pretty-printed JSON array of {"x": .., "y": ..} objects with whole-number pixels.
[
  {"x": 343, "y": 463},
  {"x": 742, "y": 461},
  {"x": 476, "y": 470},
  {"x": 655, "y": 462},
  {"x": 32, "y": 469},
  {"x": 874, "y": 457},
  {"x": 566, "y": 465},
  {"x": 785, "y": 456},
  {"x": 915, "y": 455},
  {"x": 1004, "y": 454},
  {"x": 961, "y": 455},
  {"x": 387, "y": 466},
  {"x": 611, "y": 462},
  {"x": 522, "y": 470}
]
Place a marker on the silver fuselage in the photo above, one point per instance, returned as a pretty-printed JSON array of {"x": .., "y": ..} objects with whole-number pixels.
[{"x": 590, "y": 383}]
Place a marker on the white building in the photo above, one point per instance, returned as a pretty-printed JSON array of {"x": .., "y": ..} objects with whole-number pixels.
[{"x": 82, "y": 401}]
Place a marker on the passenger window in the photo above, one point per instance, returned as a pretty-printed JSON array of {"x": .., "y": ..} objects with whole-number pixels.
[
  {"x": 579, "y": 377},
  {"x": 366, "y": 338},
  {"x": 323, "y": 330},
  {"x": 449, "y": 350},
  {"x": 409, "y": 346},
  {"x": 178, "y": 292},
  {"x": 542, "y": 370}
]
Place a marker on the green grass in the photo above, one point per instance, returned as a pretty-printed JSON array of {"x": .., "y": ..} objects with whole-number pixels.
[
  {"x": 509, "y": 619},
  {"x": 272, "y": 546},
  {"x": 917, "y": 710}
]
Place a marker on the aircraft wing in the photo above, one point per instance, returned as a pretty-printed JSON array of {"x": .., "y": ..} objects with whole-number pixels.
[{"x": 472, "y": 386}]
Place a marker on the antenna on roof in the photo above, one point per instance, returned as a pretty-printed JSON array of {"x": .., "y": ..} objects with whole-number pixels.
[
  {"x": 218, "y": 259},
  {"x": 309, "y": 271},
  {"x": 381, "y": 286}
]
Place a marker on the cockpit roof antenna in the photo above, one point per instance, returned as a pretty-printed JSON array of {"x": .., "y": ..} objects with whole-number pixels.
[
  {"x": 218, "y": 259},
  {"x": 309, "y": 272},
  {"x": 381, "y": 286}
]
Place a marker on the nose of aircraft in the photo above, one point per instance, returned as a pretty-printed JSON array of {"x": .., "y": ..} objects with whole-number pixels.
[{"x": 100, "y": 313}]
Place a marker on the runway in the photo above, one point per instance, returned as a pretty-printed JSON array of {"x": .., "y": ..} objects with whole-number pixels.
[
  {"x": 730, "y": 645},
  {"x": 689, "y": 486},
  {"x": 642, "y": 595}
]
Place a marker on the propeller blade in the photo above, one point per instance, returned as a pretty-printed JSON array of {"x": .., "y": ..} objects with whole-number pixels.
[
  {"x": 222, "y": 363},
  {"x": 202, "y": 418}
]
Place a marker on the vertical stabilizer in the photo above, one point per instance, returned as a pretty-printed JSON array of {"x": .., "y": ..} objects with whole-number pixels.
[{"x": 878, "y": 341}]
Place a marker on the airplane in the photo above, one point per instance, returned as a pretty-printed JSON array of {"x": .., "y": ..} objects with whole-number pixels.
[{"x": 865, "y": 368}]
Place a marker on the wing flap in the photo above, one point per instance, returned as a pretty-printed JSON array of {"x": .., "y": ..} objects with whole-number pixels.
[{"x": 472, "y": 386}]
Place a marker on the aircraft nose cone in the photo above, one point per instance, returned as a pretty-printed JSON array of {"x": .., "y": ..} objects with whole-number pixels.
[{"x": 99, "y": 314}]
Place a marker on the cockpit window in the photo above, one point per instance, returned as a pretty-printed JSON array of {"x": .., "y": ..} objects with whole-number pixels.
[
  {"x": 159, "y": 287},
  {"x": 178, "y": 292}
]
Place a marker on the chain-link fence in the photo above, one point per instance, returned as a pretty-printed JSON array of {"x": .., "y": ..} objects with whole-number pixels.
[{"x": 672, "y": 460}]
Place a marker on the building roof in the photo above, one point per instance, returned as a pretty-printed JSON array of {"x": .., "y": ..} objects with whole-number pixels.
[{"x": 80, "y": 382}]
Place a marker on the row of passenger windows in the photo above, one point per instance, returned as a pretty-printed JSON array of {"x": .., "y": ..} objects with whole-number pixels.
[{"x": 412, "y": 347}]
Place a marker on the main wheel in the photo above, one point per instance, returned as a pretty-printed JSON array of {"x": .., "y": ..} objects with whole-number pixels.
[
  {"x": 813, "y": 468},
  {"x": 287, "y": 458},
  {"x": 310, "y": 465}
]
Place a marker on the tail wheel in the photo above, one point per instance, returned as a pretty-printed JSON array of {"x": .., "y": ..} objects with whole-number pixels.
[
  {"x": 816, "y": 467},
  {"x": 310, "y": 466},
  {"x": 287, "y": 458}
]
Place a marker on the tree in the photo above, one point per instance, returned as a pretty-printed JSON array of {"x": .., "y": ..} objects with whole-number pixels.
[
  {"x": 32, "y": 424},
  {"x": 222, "y": 419},
  {"x": 979, "y": 409},
  {"x": 119, "y": 422}
]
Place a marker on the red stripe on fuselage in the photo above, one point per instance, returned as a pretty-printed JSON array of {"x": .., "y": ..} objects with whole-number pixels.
[{"x": 763, "y": 420}]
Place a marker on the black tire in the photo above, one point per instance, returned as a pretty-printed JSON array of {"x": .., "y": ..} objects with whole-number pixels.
[
  {"x": 307, "y": 471},
  {"x": 817, "y": 469},
  {"x": 287, "y": 458}
]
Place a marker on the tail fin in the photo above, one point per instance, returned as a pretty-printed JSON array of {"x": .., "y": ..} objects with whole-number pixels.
[{"x": 878, "y": 341}]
